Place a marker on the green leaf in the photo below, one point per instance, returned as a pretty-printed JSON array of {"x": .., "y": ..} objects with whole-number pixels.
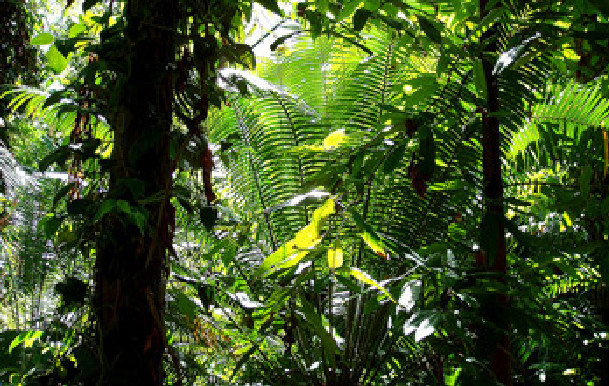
[
  {"x": 50, "y": 225},
  {"x": 430, "y": 29},
  {"x": 451, "y": 185},
  {"x": 59, "y": 156},
  {"x": 106, "y": 206},
  {"x": 42, "y": 39},
  {"x": 349, "y": 7},
  {"x": 316, "y": 322},
  {"x": 360, "y": 18},
  {"x": 185, "y": 305},
  {"x": 55, "y": 60},
  {"x": 123, "y": 206},
  {"x": 62, "y": 192},
  {"x": 322, "y": 5},
  {"x": 480, "y": 79},
  {"x": 372, "y": 5},
  {"x": 76, "y": 30},
  {"x": 27, "y": 338},
  {"x": 243, "y": 359},
  {"x": 425, "y": 85},
  {"x": 368, "y": 234}
]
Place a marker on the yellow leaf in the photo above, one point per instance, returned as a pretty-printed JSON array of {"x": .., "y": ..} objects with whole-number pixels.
[
  {"x": 335, "y": 258},
  {"x": 375, "y": 244},
  {"x": 335, "y": 139},
  {"x": 305, "y": 240},
  {"x": 322, "y": 213},
  {"x": 567, "y": 219},
  {"x": 365, "y": 278}
]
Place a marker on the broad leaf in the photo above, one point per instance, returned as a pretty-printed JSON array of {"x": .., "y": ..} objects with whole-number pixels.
[
  {"x": 42, "y": 39},
  {"x": 55, "y": 60}
]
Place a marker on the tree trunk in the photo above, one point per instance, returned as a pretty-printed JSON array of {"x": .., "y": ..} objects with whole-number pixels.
[
  {"x": 131, "y": 267},
  {"x": 495, "y": 308}
]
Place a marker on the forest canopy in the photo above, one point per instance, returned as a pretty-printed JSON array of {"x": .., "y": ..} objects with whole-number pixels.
[{"x": 321, "y": 192}]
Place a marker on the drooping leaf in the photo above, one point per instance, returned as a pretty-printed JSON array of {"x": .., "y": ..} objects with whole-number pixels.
[
  {"x": 360, "y": 18},
  {"x": 107, "y": 206},
  {"x": 305, "y": 240},
  {"x": 368, "y": 234},
  {"x": 430, "y": 29},
  {"x": 368, "y": 280},
  {"x": 185, "y": 305}
]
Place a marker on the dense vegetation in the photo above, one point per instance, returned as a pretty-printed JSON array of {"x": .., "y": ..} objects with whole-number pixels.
[{"x": 323, "y": 192}]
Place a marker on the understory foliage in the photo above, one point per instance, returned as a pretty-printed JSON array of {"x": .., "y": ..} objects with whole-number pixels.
[{"x": 332, "y": 221}]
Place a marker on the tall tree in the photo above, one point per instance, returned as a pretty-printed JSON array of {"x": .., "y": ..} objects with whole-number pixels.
[
  {"x": 494, "y": 307},
  {"x": 131, "y": 264}
]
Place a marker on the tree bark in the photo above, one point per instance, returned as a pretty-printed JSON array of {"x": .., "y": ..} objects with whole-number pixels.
[
  {"x": 495, "y": 308},
  {"x": 131, "y": 267}
]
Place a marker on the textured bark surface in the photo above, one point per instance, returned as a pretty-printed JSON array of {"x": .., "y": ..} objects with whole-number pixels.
[{"x": 131, "y": 264}]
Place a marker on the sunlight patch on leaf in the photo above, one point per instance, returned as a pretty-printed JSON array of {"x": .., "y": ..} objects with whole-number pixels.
[
  {"x": 335, "y": 258},
  {"x": 410, "y": 292},
  {"x": 421, "y": 326},
  {"x": 306, "y": 239},
  {"x": 365, "y": 278},
  {"x": 509, "y": 56},
  {"x": 314, "y": 194},
  {"x": 335, "y": 139}
]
